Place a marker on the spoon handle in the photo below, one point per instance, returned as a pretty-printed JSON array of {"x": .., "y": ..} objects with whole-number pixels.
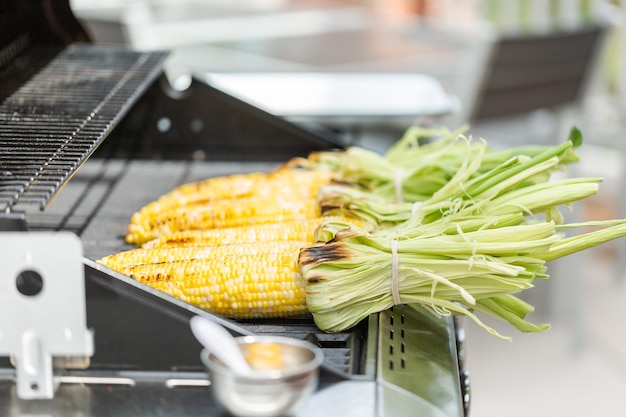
[{"x": 218, "y": 341}]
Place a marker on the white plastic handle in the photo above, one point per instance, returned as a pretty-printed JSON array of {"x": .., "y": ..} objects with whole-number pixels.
[{"x": 218, "y": 341}]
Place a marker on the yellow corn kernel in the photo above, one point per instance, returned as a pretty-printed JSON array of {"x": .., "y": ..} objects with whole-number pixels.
[
  {"x": 305, "y": 183},
  {"x": 229, "y": 186},
  {"x": 290, "y": 182},
  {"x": 300, "y": 230},
  {"x": 265, "y": 285},
  {"x": 224, "y": 213},
  {"x": 124, "y": 261}
]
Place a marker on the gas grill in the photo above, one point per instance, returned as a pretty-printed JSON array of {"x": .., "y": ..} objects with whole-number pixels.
[{"x": 88, "y": 135}]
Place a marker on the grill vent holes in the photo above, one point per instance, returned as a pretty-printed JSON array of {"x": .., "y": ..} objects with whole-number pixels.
[
  {"x": 397, "y": 345},
  {"x": 29, "y": 283}
]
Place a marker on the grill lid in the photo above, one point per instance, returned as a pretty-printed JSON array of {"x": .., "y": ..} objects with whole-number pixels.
[{"x": 53, "y": 123}]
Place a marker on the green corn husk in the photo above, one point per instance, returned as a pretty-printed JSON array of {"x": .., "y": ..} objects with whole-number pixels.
[
  {"x": 532, "y": 200},
  {"x": 517, "y": 183},
  {"x": 611, "y": 230},
  {"x": 470, "y": 248},
  {"x": 420, "y": 163},
  {"x": 349, "y": 276}
]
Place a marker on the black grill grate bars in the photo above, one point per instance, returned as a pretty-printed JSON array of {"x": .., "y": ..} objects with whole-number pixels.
[{"x": 51, "y": 125}]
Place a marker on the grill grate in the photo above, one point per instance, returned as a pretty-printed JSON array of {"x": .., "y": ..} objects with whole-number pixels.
[{"x": 51, "y": 125}]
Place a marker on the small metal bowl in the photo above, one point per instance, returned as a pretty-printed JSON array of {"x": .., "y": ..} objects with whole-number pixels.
[{"x": 286, "y": 374}]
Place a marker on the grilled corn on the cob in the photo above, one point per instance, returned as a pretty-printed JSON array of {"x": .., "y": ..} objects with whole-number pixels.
[
  {"x": 259, "y": 278},
  {"x": 123, "y": 262},
  {"x": 229, "y": 186},
  {"x": 264, "y": 285},
  {"x": 302, "y": 230},
  {"x": 287, "y": 193},
  {"x": 223, "y": 213}
]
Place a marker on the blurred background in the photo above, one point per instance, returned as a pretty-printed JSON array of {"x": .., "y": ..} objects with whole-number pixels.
[{"x": 518, "y": 71}]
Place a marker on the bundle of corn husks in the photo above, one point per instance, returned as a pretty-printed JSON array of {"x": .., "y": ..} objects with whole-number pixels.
[{"x": 440, "y": 220}]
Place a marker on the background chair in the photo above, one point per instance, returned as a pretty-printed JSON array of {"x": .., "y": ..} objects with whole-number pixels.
[{"x": 518, "y": 76}]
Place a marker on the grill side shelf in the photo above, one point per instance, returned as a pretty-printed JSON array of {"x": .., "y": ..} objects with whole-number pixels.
[{"x": 62, "y": 114}]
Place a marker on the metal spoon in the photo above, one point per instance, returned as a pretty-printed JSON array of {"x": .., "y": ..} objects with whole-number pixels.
[{"x": 218, "y": 341}]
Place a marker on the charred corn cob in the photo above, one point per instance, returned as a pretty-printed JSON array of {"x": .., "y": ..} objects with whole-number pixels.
[
  {"x": 223, "y": 213},
  {"x": 246, "y": 286},
  {"x": 302, "y": 230},
  {"x": 124, "y": 261},
  {"x": 203, "y": 191},
  {"x": 287, "y": 176},
  {"x": 285, "y": 181}
]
